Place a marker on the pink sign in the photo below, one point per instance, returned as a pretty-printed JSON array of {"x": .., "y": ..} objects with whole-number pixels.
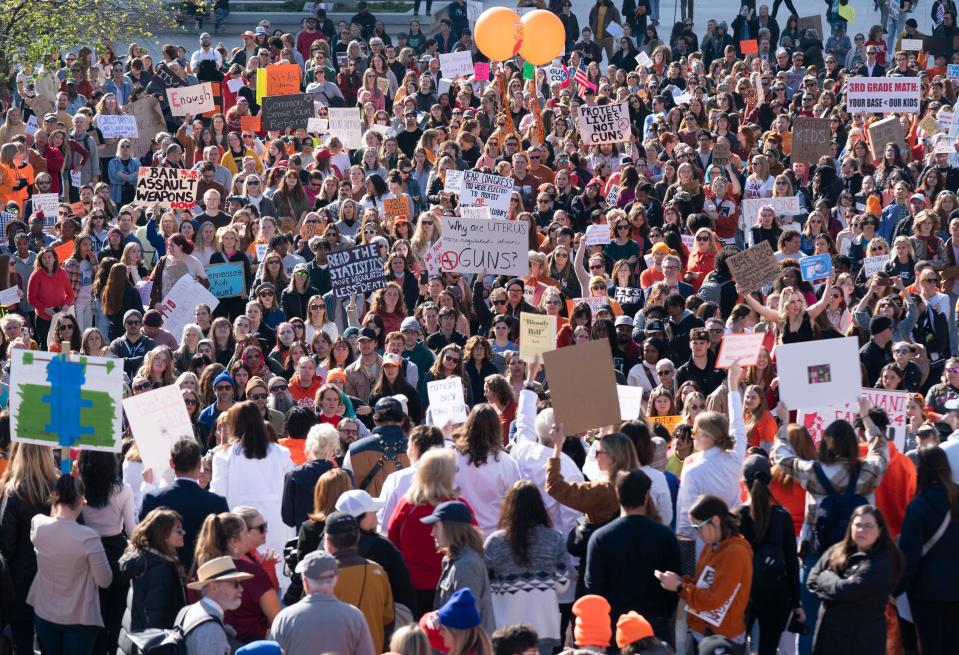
[{"x": 481, "y": 71}]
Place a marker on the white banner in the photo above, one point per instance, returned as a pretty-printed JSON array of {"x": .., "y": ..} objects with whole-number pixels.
[
  {"x": 456, "y": 64},
  {"x": 454, "y": 181},
  {"x": 788, "y": 206},
  {"x": 487, "y": 190},
  {"x": 604, "y": 124},
  {"x": 874, "y": 95},
  {"x": 893, "y": 402},
  {"x": 484, "y": 246},
  {"x": 194, "y": 100}
]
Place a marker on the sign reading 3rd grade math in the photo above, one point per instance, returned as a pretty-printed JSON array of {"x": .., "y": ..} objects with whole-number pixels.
[
  {"x": 873, "y": 95},
  {"x": 485, "y": 190},
  {"x": 604, "y": 124},
  {"x": 480, "y": 245},
  {"x": 169, "y": 188}
]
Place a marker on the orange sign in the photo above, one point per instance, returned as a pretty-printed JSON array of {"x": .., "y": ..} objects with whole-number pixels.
[
  {"x": 251, "y": 123},
  {"x": 395, "y": 207},
  {"x": 749, "y": 47},
  {"x": 64, "y": 251},
  {"x": 282, "y": 79}
]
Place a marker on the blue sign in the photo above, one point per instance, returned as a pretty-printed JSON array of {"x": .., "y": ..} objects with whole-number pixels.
[
  {"x": 952, "y": 71},
  {"x": 817, "y": 267},
  {"x": 226, "y": 280}
]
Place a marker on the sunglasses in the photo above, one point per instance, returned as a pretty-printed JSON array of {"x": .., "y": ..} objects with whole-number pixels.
[
  {"x": 132, "y": 323},
  {"x": 451, "y": 359},
  {"x": 189, "y": 401},
  {"x": 261, "y": 528},
  {"x": 278, "y": 388},
  {"x": 257, "y": 396}
]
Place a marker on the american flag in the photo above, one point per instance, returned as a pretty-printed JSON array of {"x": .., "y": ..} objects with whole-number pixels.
[{"x": 581, "y": 80}]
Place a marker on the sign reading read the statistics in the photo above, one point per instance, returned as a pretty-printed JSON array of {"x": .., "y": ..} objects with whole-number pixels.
[
  {"x": 169, "y": 188},
  {"x": 604, "y": 124},
  {"x": 357, "y": 270},
  {"x": 194, "y": 100},
  {"x": 875, "y": 95},
  {"x": 486, "y": 190}
]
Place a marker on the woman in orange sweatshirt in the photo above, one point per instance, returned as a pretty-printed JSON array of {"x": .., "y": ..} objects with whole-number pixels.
[
  {"x": 718, "y": 595},
  {"x": 760, "y": 425}
]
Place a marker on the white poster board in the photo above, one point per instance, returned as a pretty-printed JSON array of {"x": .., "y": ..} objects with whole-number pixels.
[
  {"x": 819, "y": 373},
  {"x": 456, "y": 64},
  {"x": 447, "y": 402},
  {"x": 180, "y": 303},
  {"x": 158, "y": 419},
  {"x": 487, "y": 190},
  {"x": 787, "y": 206},
  {"x": 483, "y": 246},
  {"x": 742, "y": 348},
  {"x": 118, "y": 126},
  {"x": 892, "y": 402},
  {"x": 601, "y": 124},
  {"x": 195, "y": 100},
  {"x": 454, "y": 181},
  {"x": 345, "y": 124},
  {"x": 630, "y": 402},
  {"x": 875, "y": 95},
  {"x": 597, "y": 235}
]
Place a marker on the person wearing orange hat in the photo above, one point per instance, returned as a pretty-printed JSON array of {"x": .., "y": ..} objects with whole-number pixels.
[
  {"x": 592, "y": 630},
  {"x": 654, "y": 273},
  {"x": 634, "y": 636}
]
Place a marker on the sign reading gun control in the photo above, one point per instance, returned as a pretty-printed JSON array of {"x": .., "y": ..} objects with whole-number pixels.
[
  {"x": 604, "y": 124},
  {"x": 873, "y": 95},
  {"x": 358, "y": 270},
  {"x": 170, "y": 188}
]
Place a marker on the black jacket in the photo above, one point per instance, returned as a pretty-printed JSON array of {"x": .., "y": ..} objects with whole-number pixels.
[
  {"x": 298, "y": 487},
  {"x": 933, "y": 578},
  {"x": 295, "y": 303},
  {"x": 17, "y": 548},
  {"x": 193, "y": 503},
  {"x": 156, "y": 591},
  {"x": 852, "y": 618}
]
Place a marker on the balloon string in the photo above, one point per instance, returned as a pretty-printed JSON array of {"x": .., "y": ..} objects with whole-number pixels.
[
  {"x": 536, "y": 109},
  {"x": 501, "y": 76}
]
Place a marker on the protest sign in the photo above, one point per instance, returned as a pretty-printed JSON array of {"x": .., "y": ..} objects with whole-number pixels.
[
  {"x": 32, "y": 126},
  {"x": 471, "y": 211},
  {"x": 630, "y": 402},
  {"x": 868, "y": 95},
  {"x": 317, "y": 125},
  {"x": 260, "y": 250},
  {"x": 689, "y": 241},
  {"x": 615, "y": 30},
  {"x": 287, "y": 112},
  {"x": 811, "y": 22},
  {"x": 749, "y": 46},
  {"x": 929, "y": 124},
  {"x": 604, "y": 124},
  {"x": 483, "y": 246},
  {"x": 165, "y": 78},
  {"x": 721, "y": 153},
  {"x": 345, "y": 124},
  {"x": 742, "y": 348},
  {"x": 812, "y": 138},
  {"x": 642, "y": 59},
  {"x": 226, "y": 280},
  {"x": 558, "y": 74},
  {"x": 117, "y": 126},
  {"x": 234, "y": 84},
  {"x": 612, "y": 196},
  {"x": 787, "y": 206},
  {"x": 754, "y": 268},
  {"x": 537, "y": 335},
  {"x": 431, "y": 258},
  {"x": 396, "y": 207},
  {"x": 158, "y": 419},
  {"x": 282, "y": 79},
  {"x": 456, "y": 64},
  {"x": 486, "y": 190},
  {"x": 356, "y": 271},
  {"x": 911, "y": 45},
  {"x": 169, "y": 188},
  {"x": 473, "y": 10},
  {"x": 817, "y": 267},
  {"x": 872, "y": 265},
  {"x": 251, "y": 124},
  {"x": 56, "y": 401},
  {"x": 816, "y": 420},
  {"x": 668, "y": 422},
  {"x": 10, "y": 296},
  {"x": 628, "y": 295},
  {"x": 64, "y": 251},
  {"x": 454, "y": 181},
  {"x": 884, "y": 132},
  {"x": 952, "y": 71},
  {"x": 47, "y": 204},
  {"x": 180, "y": 302},
  {"x": 594, "y": 302},
  {"x": 481, "y": 71},
  {"x": 447, "y": 402},
  {"x": 193, "y": 100},
  {"x": 583, "y": 386},
  {"x": 597, "y": 235},
  {"x": 819, "y": 373}
]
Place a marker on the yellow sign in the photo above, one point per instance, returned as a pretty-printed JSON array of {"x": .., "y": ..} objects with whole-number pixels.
[{"x": 537, "y": 335}]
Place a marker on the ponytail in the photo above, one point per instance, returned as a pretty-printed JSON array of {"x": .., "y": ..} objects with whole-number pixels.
[
  {"x": 760, "y": 507},
  {"x": 68, "y": 491}
]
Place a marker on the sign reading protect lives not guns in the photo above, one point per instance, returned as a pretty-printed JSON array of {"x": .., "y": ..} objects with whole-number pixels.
[
  {"x": 475, "y": 245},
  {"x": 170, "y": 188},
  {"x": 604, "y": 124}
]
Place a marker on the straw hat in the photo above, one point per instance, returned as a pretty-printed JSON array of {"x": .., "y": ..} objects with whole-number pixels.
[{"x": 220, "y": 569}]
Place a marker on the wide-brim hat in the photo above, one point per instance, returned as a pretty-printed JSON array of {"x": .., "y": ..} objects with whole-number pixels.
[{"x": 220, "y": 569}]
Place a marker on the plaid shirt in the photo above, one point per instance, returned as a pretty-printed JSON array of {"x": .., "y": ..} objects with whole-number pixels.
[
  {"x": 871, "y": 470},
  {"x": 72, "y": 267}
]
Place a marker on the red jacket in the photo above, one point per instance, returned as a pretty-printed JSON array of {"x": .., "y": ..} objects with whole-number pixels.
[
  {"x": 45, "y": 291},
  {"x": 415, "y": 542},
  {"x": 897, "y": 488}
]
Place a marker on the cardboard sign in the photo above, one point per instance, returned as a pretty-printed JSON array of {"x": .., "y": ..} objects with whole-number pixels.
[
  {"x": 447, "y": 401},
  {"x": 875, "y": 95},
  {"x": 169, "y": 188},
  {"x": 884, "y": 132},
  {"x": 251, "y": 124},
  {"x": 396, "y": 207},
  {"x": 812, "y": 138},
  {"x": 180, "y": 303},
  {"x": 165, "y": 78},
  {"x": 486, "y": 190},
  {"x": 282, "y": 79},
  {"x": 55, "y": 401},
  {"x": 193, "y": 100},
  {"x": 453, "y": 183},
  {"x": 668, "y": 422},
  {"x": 819, "y": 373},
  {"x": 929, "y": 125},
  {"x": 356, "y": 271},
  {"x": 872, "y": 265},
  {"x": 630, "y": 402},
  {"x": 483, "y": 246},
  {"x": 481, "y": 71},
  {"x": 604, "y": 124},
  {"x": 346, "y": 125},
  {"x": 597, "y": 235},
  {"x": 742, "y": 348},
  {"x": 817, "y": 267},
  {"x": 721, "y": 153},
  {"x": 537, "y": 335},
  {"x": 583, "y": 386},
  {"x": 456, "y": 64},
  {"x": 893, "y": 402},
  {"x": 46, "y": 203},
  {"x": 118, "y": 126},
  {"x": 287, "y": 112},
  {"x": 226, "y": 280},
  {"x": 811, "y": 22},
  {"x": 786, "y": 206},
  {"x": 755, "y": 267},
  {"x": 158, "y": 419}
]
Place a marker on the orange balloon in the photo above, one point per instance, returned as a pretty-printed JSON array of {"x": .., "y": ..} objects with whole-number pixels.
[
  {"x": 549, "y": 40},
  {"x": 498, "y": 33}
]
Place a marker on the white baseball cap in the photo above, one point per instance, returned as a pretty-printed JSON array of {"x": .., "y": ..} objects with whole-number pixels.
[{"x": 358, "y": 503}]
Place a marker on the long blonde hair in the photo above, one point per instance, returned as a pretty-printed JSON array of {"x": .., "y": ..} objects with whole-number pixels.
[
  {"x": 31, "y": 475},
  {"x": 433, "y": 480}
]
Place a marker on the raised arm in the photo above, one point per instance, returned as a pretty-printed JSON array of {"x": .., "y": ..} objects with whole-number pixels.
[
  {"x": 768, "y": 314},
  {"x": 737, "y": 424},
  {"x": 816, "y": 309}
]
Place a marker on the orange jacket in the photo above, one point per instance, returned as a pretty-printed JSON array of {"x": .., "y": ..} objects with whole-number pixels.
[
  {"x": 8, "y": 179},
  {"x": 764, "y": 431},
  {"x": 719, "y": 570},
  {"x": 700, "y": 262},
  {"x": 897, "y": 488}
]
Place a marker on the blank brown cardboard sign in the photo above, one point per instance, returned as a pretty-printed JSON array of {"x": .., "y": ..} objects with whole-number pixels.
[
  {"x": 884, "y": 132},
  {"x": 754, "y": 268},
  {"x": 583, "y": 386}
]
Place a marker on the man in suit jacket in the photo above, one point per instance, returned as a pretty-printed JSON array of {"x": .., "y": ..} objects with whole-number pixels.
[
  {"x": 186, "y": 496},
  {"x": 871, "y": 68}
]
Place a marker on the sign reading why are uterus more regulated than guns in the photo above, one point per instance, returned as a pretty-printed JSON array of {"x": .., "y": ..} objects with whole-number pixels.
[
  {"x": 194, "y": 100},
  {"x": 485, "y": 246}
]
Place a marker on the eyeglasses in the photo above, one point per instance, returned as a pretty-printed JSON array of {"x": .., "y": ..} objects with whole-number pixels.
[
  {"x": 348, "y": 431},
  {"x": 953, "y": 369},
  {"x": 595, "y": 267},
  {"x": 276, "y": 388},
  {"x": 426, "y": 222},
  {"x": 716, "y": 330},
  {"x": 932, "y": 280},
  {"x": 315, "y": 307}
]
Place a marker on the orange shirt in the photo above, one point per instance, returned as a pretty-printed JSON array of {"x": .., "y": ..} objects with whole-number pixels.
[
  {"x": 297, "y": 448},
  {"x": 649, "y": 277},
  {"x": 897, "y": 488},
  {"x": 793, "y": 498},
  {"x": 764, "y": 431}
]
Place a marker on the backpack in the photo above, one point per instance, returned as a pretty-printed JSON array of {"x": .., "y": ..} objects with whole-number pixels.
[
  {"x": 835, "y": 510},
  {"x": 712, "y": 289},
  {"x": 158, "y": 641},
  {"x": 769, "y": 566},
  {"x": 391, "y": 453}
]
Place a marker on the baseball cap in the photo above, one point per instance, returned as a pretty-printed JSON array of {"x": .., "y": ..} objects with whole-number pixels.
[
  {"x": 655, "y": 326},
  {"x": 318, "y": 565},
  {"x": 153, "y": 318},
  {"x": 388, "y": 409},
  {"x": 341, "y": 523},
  {"x": 357, "y": 502},
  {"x": 206, "y": 37},
  {"x": 260, "y": 30},
  {"x": 392, "y": 359},
  {"x": 249, "y": 34},
  {"x": 410, "y": 324},
  {"x": 624, "y": 320},
  {"x": 367, "y": 333},
  {"x": 757, "y": 467},
  {"x": 451, "y": 510}
]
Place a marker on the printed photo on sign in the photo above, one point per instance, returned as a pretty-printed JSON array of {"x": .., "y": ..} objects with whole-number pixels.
[
  {"x": 819, "y": 373},
  {"x": 170, "y": 188},
  {"x": 894, "y": 403},
  {"x": 817, "y": 267}
]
